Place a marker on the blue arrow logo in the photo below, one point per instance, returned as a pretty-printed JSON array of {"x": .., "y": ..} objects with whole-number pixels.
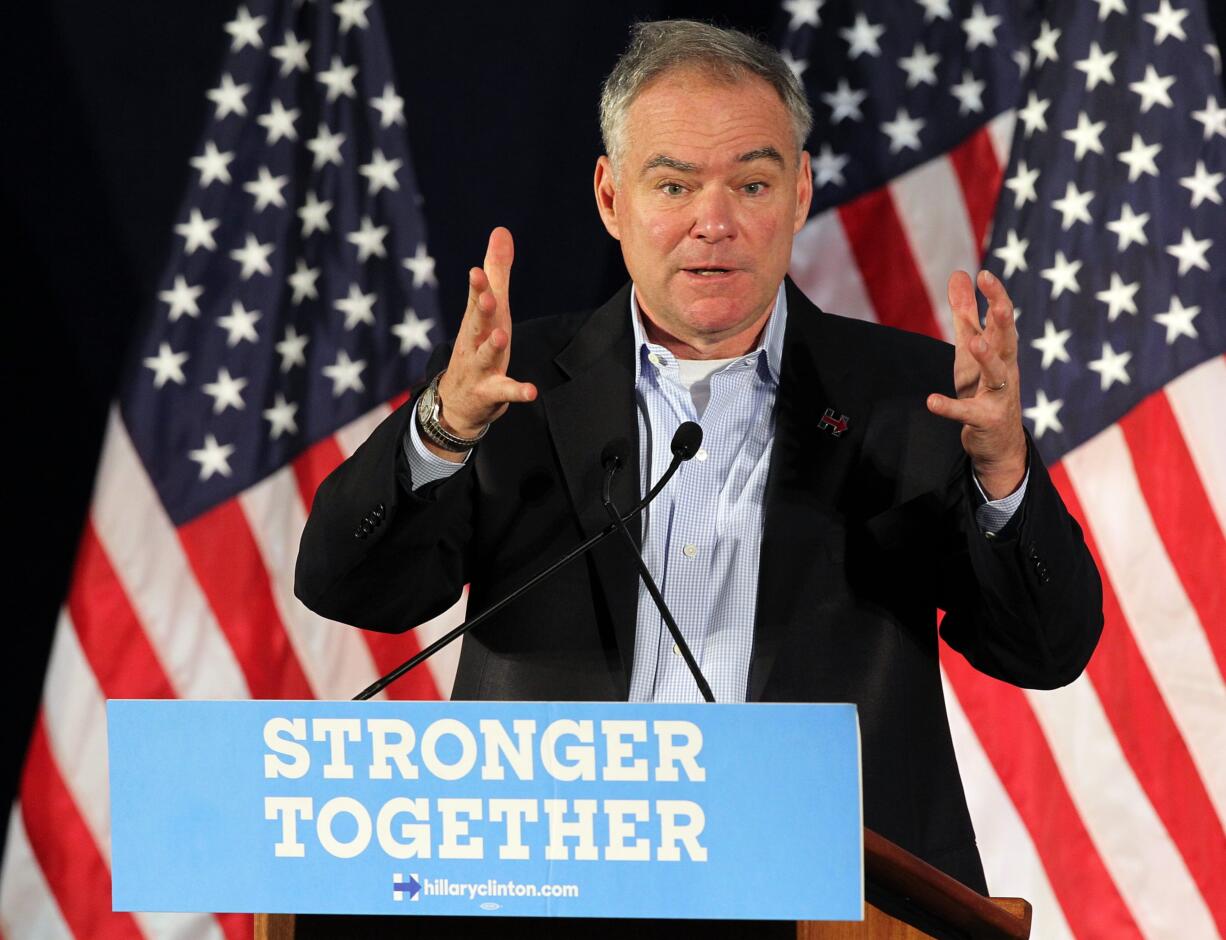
[{"x": 400, "y": 887}]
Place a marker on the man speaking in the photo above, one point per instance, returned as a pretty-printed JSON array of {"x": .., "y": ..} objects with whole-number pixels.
[{"x": 853, "y": 480}]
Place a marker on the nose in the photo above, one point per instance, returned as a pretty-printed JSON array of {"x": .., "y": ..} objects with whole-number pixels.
[{"x": 714, "y": 218}]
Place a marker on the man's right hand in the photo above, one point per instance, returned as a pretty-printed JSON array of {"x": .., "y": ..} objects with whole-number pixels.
[{"x": 476, "y": 390}]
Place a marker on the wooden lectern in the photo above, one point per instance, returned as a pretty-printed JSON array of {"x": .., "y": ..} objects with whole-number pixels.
[
  {"x": 917, "y": 901},
  {"x": 932, "y": 896}
]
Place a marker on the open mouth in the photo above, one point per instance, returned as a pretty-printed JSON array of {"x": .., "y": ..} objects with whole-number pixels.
[{"x": 709, "y": 272}]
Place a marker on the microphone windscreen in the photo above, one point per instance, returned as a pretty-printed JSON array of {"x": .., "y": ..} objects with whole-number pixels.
[
  {"x": 687, "y": 440},
  {"x": 617, "y": 451}
]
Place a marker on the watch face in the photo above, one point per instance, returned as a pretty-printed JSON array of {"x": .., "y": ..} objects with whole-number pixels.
[
  {"x": 425, "y": 403},
  {"x": 429, "y": 411}
]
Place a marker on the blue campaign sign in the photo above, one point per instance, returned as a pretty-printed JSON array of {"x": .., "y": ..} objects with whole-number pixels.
[{"x": 498, "y": 808}]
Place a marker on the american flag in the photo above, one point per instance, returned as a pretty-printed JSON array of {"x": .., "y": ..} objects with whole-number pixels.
[
  {"x": 298, "y": 304},
  {"x": 1077, "y": 150}
]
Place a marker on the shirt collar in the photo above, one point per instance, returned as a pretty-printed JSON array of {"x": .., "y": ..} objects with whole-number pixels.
[{"x": 770, "y": 343}]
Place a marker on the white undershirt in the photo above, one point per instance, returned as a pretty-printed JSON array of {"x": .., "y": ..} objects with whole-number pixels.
[{"x": 695, "y": 375}]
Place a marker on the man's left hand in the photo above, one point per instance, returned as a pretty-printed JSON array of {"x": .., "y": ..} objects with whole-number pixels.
[{"x": 986, "y": 378}]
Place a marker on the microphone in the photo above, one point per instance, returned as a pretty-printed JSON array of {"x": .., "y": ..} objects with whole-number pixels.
[
  {"x": 686, "y": 441},
  {"x": 616, "y": 451},
  {"x": 614, "y": 455}
]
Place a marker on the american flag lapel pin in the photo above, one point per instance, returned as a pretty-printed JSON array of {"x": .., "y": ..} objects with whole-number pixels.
[{"x": 835, "y": 424}]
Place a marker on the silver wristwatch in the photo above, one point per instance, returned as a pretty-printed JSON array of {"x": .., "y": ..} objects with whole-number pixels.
[{"x": 429, "y": 411}]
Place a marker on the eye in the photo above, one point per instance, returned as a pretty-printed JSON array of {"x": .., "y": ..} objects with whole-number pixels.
[
  {"x": 672, "y": 189},
  {"x": 754, "y": 189}
]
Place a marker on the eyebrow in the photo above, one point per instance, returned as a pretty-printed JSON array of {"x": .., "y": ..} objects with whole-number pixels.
[
  {"x": 681, "y": 166},
  {"x": 762, "y": 153},
  {"x": 672, "y": 163}
]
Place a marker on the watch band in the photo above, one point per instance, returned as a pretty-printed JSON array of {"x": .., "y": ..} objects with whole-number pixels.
[{"x": 429, "y": 411}]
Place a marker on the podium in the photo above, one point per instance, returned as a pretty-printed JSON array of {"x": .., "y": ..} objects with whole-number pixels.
[
  {"x": 918, "y": 893},
  {"x": 591, "y": 819}
]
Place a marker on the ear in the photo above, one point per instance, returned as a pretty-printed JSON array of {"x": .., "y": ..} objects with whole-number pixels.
[
  {"x": 605, "y": 186},
  {"x": 804, "y": 191}
]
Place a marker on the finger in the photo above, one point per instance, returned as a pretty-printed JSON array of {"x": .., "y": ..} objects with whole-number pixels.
[
  {"x": 479, "y": 314},
  {"x": 476, "y": 284},
  {"x": 1000, "y": 329},
  {"x": 498, "y": 258},
  {"x": 505, "y": 389},
  {"x": 480, "y": 300},
  {"x": 491, "y": 353},
  {"x": 963, "y": 410},
  {"x": 961, "y": 294},
  {"x": 993, "y": 370}
]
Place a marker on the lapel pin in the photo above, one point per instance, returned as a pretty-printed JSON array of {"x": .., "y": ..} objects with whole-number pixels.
[{"x": 836, "y": 425}]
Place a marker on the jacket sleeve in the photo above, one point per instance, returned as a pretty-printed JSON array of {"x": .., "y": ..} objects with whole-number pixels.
[
  {"x": 374, "y": 553},
  {"x": 1027, "y": 606},
  {"x": 1024, "y": 606}
]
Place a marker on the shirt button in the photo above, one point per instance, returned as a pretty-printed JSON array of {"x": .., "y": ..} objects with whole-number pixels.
[
  {"x": 653, "y": 359},
  {"x": 690, "y": 551},
  {"x": 676, "y": 649},
  {"x": 702, "y": 454}
]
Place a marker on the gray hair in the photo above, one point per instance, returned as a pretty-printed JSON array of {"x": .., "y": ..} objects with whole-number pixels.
[{"x": 722, "y": 54}]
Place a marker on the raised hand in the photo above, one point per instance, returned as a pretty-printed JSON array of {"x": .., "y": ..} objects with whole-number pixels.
[
  {"x": 986, "y": 378},
  {"x": 476, "y": 389}
]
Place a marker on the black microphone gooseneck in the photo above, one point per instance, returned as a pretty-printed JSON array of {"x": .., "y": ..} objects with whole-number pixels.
[
  {"x": 684, "y": 445},
  {"x": 679, "y": 454}
]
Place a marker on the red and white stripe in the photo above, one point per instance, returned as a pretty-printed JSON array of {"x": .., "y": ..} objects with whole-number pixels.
[
  {"x": 27, "y": 907},
  {"x": 1166, "y": 627},
  {"x": 1010, "y": 860},
  {"x": 1195, "y": 399},
  {"x": 203, "y": 611},
  {"x": 152, "y": 571},
  {"x": 1103, "y": 802}
]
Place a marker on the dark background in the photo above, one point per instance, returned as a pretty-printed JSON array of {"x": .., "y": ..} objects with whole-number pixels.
[{"x": 104, "y": 104}]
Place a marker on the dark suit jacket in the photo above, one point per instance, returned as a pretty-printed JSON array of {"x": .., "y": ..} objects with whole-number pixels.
[{"x": 865, "y": 536}]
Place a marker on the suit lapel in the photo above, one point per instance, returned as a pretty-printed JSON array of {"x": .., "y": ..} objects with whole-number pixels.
[
  {"x": 594, "y": 405},
  {"x": 806, "y": 480},
  {"x": 591, "y": 408}
]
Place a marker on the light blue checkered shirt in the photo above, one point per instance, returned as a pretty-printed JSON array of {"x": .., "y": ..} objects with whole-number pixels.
[{"x": 703, "y": 534}]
